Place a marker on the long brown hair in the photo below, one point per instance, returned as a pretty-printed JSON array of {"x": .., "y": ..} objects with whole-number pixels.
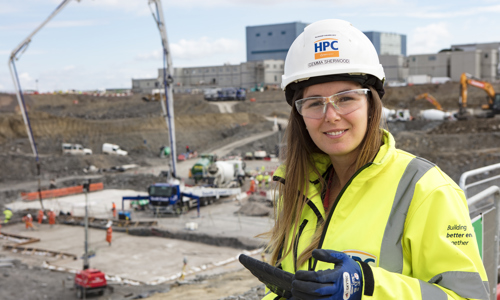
[{"x": 299, "y": 163}]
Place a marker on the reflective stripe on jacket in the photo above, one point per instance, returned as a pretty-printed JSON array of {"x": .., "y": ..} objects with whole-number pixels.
[{"x": 406, "y": 220}]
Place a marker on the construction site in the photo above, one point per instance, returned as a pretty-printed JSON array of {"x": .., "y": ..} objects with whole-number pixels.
[
  {"x": 156, "y": 195},
  {"x": 192, "y": 254}
]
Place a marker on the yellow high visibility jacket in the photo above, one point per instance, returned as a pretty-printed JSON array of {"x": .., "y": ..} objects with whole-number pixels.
[{"x": 408, "y": 223}]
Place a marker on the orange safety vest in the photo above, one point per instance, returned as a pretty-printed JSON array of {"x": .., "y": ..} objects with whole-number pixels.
[
  {"x": 52, "y": 217},
  {"x": 28, "y": 221},
  {"x": 252, "y": 186},
  {"x": 109, "y": 234},
  {"x": 40, "y": 216}
]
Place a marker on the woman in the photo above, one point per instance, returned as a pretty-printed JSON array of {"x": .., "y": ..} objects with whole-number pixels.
[{"x": 356, "y": 217}]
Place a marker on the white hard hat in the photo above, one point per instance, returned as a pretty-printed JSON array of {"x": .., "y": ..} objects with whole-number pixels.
[{"x": 330, "y": 50}]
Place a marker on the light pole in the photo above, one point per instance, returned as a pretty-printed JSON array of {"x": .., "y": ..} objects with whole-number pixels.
[{"x": 36, "y": 81}]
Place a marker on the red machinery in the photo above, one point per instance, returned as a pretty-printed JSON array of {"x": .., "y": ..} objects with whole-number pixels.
[{"x": 90, "y": 281}]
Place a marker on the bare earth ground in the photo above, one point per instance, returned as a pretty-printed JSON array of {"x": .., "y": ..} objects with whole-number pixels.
[{"x": 139, "y": 128}]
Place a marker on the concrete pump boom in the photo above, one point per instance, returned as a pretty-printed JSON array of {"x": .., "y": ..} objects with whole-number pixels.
[
  {"x": 19, "y": 93},
  {"x": 167, "y": 80}
]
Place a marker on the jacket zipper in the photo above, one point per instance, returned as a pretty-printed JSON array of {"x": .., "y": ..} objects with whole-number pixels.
[
  {"x": 323, "y": 234},
  {"x": 296, "y": 244}
]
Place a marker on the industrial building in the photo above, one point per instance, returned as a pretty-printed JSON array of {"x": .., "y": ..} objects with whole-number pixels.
[
  {"x": 271, "y": 41},
  {"x": 267, "y": 46},
  {"x": 249, "y": 75},
  {"x": 146, "y": 85}
]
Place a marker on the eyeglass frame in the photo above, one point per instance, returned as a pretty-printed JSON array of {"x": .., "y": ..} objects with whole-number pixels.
[{"x": 327, "y": 100}]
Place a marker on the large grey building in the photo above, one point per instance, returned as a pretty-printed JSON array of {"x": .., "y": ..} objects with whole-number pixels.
[
  {"x": 271, "y": 41},
  {"x": 145, "y": 85},
  {"x": 248, "y": 75},
  {"x": 387, "y": 43},
  {"x": 479, "y": 60}
]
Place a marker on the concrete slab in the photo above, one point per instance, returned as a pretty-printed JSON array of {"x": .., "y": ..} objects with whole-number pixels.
[
  {"x": 218, "y": 219},
  {"x": 146, "y": 260}
]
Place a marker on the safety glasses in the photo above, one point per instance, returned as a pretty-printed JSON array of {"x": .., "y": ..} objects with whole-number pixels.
[{"x": 343, "y": 103}]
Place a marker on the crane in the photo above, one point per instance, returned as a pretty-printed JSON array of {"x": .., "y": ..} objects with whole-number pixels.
[
  {"x": 431, "y": 99},
  {"x": 493, "y": 105}
]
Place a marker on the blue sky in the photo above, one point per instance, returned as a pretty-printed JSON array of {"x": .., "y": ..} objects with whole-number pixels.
[{"x": 95, "y": 44}]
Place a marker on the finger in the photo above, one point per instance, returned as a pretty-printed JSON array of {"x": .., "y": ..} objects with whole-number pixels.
[
  {"x": 323, "y": 276},
  {"x": 330, "y": 256},
  {"x": 321, "y": 292}
]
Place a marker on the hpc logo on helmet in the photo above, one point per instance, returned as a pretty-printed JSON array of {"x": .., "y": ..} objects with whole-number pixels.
[{"x": 325, "y": 48}]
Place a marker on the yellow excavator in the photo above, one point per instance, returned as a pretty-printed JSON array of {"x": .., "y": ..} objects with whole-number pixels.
[
  {"x": 492, "y": 107},
  {"x": 431, "y": 99}
]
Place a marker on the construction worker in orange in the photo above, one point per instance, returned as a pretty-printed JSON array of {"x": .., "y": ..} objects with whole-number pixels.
[
  {"x": 28, "y": 220},
  {"x": 40, "y": 216},
  {"x": 113, "y": 209},
  {"x": 52, "y": 217},
  {"x": 109, "y": 232},
  {"x": 252, "y": 186}
]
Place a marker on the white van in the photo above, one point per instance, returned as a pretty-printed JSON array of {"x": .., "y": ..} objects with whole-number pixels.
[
  {"x": 75, "y": 149},
  {"x": 113, "y": 149}
]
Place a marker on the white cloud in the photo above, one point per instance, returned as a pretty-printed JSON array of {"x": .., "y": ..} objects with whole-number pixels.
[
  {"x": 204, "y": 48},
  {"x": 432, "y": 12},
  {"x": 266, "y": 3},
  {"x": 138, "y": 6},
  {"x": 25, "y": 77},
  {"x": 69, "y": 68},
  {"x": 429, "y": 39},
  {"x": 154, "y": 55}
]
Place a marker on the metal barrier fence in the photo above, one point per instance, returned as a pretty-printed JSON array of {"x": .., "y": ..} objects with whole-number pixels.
[
  {"x": 485, "y": 177},
  {"x": 486, "y": 227},
  {"x": 485, "y": 214}
]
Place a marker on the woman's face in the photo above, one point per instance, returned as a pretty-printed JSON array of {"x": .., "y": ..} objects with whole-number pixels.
[{"x": 337, "y": 135}]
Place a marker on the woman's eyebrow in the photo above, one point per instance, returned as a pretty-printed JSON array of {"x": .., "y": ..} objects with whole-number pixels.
[{"x": 341, "y": 91}]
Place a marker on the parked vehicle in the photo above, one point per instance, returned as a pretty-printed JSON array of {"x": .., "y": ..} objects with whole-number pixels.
[
  {"x": 174, "y": 197},
  {"x": 225, "y": 94},
  {"x": 113, "y": 149},
  {"x": 211, "y": 94},
  {"x": 259, "y": 154},
  {"x": 75, "y": 149}
]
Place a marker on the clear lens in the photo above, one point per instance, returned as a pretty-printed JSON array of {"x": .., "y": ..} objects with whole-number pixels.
[{"x": 344, "y": 103}]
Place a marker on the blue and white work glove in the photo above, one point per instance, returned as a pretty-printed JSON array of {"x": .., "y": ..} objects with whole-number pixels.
[{"x": 344, "y": 281}]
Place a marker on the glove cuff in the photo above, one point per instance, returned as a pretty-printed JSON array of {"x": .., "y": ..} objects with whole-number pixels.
[{"x": 368, "y": 280}]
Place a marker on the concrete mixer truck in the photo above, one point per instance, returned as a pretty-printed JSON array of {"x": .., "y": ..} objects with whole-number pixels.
[
  {"x": 228, "y": 173},
  {"x": 199, "y": 171}
]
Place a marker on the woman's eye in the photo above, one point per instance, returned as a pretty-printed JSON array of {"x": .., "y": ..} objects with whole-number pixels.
[
  {"x": 345, "y": 99},
  {"x": 314, "y": 103}
]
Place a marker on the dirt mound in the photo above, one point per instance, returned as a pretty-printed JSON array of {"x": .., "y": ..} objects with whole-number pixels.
[
  {"x": 472, "y": 125},
  {"x": 255, "y": 206},
  {"x": 140, "y": 128}
]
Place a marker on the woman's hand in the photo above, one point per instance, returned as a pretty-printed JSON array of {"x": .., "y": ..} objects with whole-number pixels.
[{"x": 344, "y": 281}]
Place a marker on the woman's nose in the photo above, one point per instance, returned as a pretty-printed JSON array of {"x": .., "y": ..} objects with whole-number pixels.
[{"x": 331, "y": 114}]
